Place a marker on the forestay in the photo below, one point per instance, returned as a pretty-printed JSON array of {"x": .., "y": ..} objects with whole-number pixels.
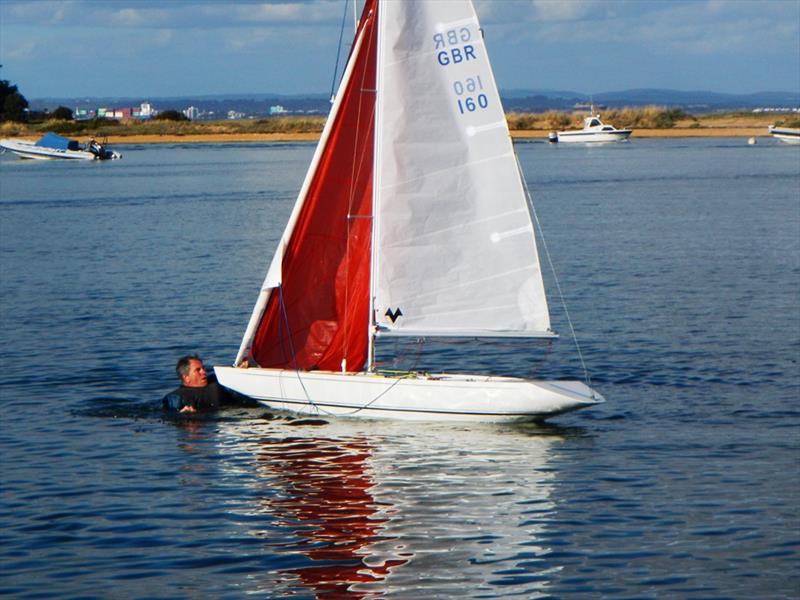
[{"x": 454, "y": 246}]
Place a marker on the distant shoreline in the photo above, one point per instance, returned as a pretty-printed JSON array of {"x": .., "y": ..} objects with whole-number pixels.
[
  {"x": 646, "y": 122},
  {"x": 232, "y": 138},
  {"x": 221, "y": 138}
]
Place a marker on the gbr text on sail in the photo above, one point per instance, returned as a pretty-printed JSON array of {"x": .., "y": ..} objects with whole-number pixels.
[{"x": 454, "y": 47}]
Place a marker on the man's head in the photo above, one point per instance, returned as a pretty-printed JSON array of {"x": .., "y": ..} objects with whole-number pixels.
[{"x": 191, "y": 371}]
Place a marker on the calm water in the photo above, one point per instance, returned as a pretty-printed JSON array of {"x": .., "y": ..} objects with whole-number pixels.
[{"x": 680, "y": 263}]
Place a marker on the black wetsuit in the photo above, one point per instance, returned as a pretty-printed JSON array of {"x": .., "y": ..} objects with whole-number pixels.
[{"x": 202, "y": 399}]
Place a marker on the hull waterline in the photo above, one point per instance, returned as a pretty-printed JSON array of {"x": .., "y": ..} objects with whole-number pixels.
[
  {"x": 593, "y": 137},
  {"x": 417, "y": 397}
]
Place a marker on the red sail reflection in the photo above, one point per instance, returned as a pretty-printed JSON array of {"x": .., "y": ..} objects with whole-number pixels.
[{"x": 325, "y": 497}]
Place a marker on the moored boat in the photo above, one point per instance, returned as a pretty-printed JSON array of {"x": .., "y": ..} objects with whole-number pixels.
[
  {"x": 594, "y": 130},
  {"x": 52, "y": 146},
  {"x": 790, "y": 135}
]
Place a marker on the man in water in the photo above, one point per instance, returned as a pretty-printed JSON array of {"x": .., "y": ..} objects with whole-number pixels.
[{"x": 198, "y": 392}]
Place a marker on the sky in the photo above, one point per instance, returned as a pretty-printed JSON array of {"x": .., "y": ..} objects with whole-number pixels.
[{"x": 160, "y": 48}]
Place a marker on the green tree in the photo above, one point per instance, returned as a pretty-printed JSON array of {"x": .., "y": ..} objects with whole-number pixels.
[
  {"x": 62, "y": 113},
  {"x": 171, "y": 115},
  {"x": 12, "y": 103}
]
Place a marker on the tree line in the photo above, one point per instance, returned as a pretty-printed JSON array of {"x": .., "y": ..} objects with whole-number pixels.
[
  {"x": 13, "y": 105},
  {"x": 14, "y": 108}
]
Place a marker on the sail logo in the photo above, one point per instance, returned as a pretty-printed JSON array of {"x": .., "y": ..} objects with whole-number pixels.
[
  {"x": 393, "y": 315},
  {"x": 452, "y": 46}
]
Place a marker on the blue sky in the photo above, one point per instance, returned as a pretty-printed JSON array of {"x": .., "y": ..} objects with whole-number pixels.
[{"x": 149, "y": 49}]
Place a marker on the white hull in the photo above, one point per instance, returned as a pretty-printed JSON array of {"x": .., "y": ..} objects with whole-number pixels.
[
  {"x": 31, "y": 150},
  {"x": 786, "y": 134},
  {"x": 585, "y": 137},
  {"x": 419, "y": 397},
  {"x": 594, "y": 131}
]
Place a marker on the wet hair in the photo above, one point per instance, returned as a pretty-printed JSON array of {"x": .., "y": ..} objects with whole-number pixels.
[{"x": 184, "y": 365}]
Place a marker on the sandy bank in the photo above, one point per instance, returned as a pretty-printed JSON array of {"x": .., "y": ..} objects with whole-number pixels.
[
  {"x": 212, "y": 138},
  {"x": 520, "y": 134},
  {"x": 221, "y": 138}
]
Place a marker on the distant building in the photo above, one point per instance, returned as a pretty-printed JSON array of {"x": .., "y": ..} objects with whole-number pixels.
[
  {"x": 277, "y": 110},
  {"x": 146, "y": 111},
  {"x": 192, "y": 113},
  {"x": 778, "y": 109},
  {"x": 143, "y": 112},
  {"x": 84, "y": 114},
  {"x": 232, "y": 114}
]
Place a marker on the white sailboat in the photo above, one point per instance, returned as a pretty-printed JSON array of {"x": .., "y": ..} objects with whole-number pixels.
[{"x": 413, "y": 220}]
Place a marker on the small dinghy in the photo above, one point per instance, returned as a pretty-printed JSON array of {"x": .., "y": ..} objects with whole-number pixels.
[{"x": 52, "y": 146}]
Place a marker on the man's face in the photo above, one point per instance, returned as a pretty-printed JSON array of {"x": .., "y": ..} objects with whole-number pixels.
[{"x": 196, "y": 376}]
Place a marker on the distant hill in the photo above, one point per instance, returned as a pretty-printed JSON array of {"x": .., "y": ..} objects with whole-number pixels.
[
  {"x": 700, "y": 99},
  {"x": 514, "y": 100},
  {"x": 538, "y": 100}
]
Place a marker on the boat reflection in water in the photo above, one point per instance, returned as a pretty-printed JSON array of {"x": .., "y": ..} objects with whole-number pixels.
[
  {"x": 360, "y": 512},
  {"x": 325, "y": 498}
]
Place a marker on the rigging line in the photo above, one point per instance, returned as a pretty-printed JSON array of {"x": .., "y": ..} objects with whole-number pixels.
[
  {"x": 291, "y": 345},
  {"x": 376, "y": 398},
  {"x": 285, "y": 315},
  {"x": 321, "y": 410},
  {"x": 338, "y": 51},
  {"x": 553, "y": 271}
]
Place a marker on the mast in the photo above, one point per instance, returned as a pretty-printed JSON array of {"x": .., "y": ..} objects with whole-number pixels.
[
  {"x": 274, "y": 276},
  {"x": 372, "y": 326}
]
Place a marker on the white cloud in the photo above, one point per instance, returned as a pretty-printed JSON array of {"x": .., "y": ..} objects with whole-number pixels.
[
  {"x": 534, "y": 43},
  {"x": 133, "y": 17},
  {"x": 558, "y": 10},
  {"x": 22, "y": 52}
]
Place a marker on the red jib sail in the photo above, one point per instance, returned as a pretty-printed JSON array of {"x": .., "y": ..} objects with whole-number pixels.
[{"x": 319, "y": 315}]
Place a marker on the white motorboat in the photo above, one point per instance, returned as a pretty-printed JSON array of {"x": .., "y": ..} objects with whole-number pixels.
[
  {"x": 52, "y": 146},
  {"x": 413, "y": 220},
  {"x": 594, "y": 130},
  {"x": 789, "y": 135}
]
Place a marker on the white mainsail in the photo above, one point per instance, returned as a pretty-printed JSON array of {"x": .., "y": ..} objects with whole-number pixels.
[{"x": 454, "y": 246}]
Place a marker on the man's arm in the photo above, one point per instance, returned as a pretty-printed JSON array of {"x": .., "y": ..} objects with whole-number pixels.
[{"x": 173, "y": 402}]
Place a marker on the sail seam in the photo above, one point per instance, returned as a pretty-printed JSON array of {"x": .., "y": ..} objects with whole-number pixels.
[
  {"x": 473, "y": 282},
  {"x": 469, "y": 224},
  {"x": 460, "y": 167}
]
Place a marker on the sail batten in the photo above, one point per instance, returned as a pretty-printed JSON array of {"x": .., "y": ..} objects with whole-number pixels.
[
  {"x": 448, "y": 171},
  {"x": 465, "y": 226}
]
